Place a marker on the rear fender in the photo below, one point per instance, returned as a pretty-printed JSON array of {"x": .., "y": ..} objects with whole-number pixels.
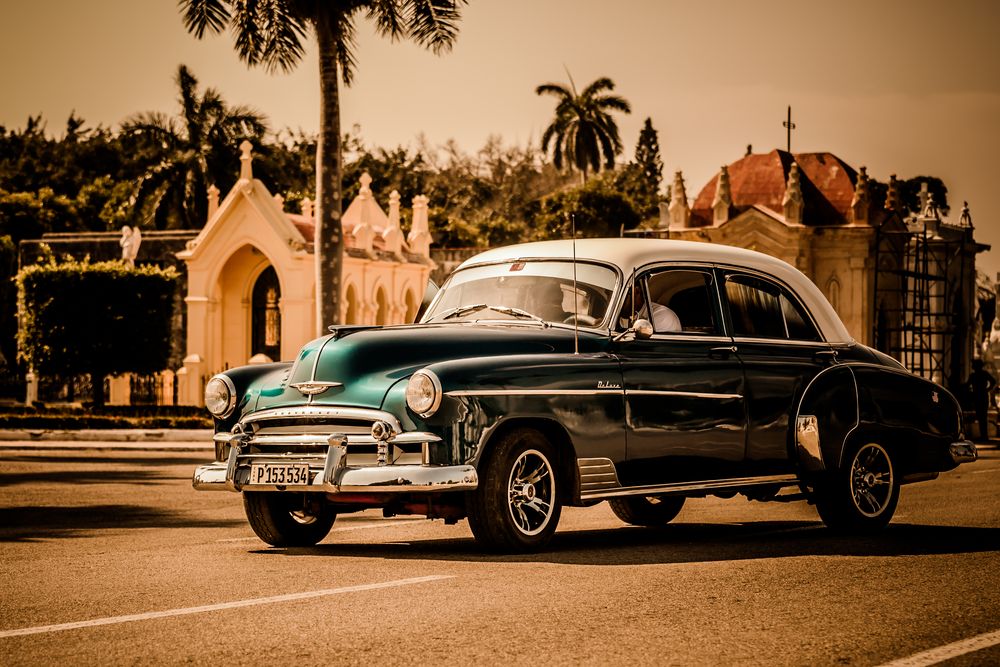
[{"x": 827, "y": 415}]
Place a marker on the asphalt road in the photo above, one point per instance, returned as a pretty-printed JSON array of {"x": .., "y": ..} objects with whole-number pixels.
[{"x": 118, "y": 541}]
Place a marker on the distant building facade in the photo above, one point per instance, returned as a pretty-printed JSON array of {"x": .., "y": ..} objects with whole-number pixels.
[
  {"x": 902, "y": 281},
  {"x": 251, "y": 282}
]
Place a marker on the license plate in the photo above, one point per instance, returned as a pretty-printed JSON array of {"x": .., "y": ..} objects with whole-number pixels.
[{"x": 285, "y": 474}]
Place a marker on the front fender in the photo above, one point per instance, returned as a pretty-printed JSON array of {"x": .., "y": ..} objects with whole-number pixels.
[
  {"x": 581, "y": 393},
  {"x": 243, "y": 377}
]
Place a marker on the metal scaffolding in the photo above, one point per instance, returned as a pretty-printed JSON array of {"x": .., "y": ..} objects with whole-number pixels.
[{"x": 924, "y": 272}]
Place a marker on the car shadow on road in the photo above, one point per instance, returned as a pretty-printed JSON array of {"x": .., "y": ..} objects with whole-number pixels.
[
  {"x": 688, "y": 543},
  {"x": 33, "y": 523}
]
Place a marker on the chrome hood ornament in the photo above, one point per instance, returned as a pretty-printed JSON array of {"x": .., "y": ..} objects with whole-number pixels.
[{"x": 315, "y": 387}]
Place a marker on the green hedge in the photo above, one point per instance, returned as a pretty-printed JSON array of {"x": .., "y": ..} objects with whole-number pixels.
[
  {"x": 118, "y": 416},
  {"x": 75, "y": 422},
  {"x": 103, "y": 318}
]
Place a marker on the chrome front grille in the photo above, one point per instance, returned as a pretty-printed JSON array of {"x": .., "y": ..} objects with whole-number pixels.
[{"x": 305, "y": 431}]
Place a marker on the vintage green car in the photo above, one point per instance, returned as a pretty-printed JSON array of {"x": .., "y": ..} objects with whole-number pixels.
[{"x": 637, "y": 371}]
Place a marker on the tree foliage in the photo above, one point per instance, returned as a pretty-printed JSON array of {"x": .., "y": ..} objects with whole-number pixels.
[
  {"x": 184, "y": 155},
  {"x": 584, "y": 135},
  {"x": 99, "y": 319},
  {"x": 271, "y": 34},
  {"x": 599, "y": 209}
]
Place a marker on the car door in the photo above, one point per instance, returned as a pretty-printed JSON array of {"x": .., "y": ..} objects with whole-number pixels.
[
  {"x": 781, "y": 350},
  {"x": 685, "y": 413}
]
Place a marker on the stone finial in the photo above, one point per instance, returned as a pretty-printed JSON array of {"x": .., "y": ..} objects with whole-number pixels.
[
  {"x": 213, "y": 201},
  {"x": 280, "y": 201},
  {"x": 419, "y": 238},
  {"x": 392, "y": 236},
  {"x": 723, "y": 201},
  {"x": 861, "y": 201},
  {"x": 966, "y": 219},
  {"x": 306, "y": 206},
  {"x": 366, "y": 185},
  {"x": 394, "y": 216},
  {"x": 246, "y": 161},
  {"x": 792, "y": 202},
  {"x": 893, "y": 200},
  {"x": 680, "y": 212}
]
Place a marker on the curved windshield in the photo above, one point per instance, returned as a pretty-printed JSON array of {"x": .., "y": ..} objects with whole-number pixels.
[{"x": 539, "y": 291}]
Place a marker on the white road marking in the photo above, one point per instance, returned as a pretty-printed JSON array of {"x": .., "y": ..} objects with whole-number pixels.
[
  {"x": 980, "y": 472},
  {"x": 112, "y": 620},
  {"x": 396, "y": 523},
  {"x": 948, "y": 651}
]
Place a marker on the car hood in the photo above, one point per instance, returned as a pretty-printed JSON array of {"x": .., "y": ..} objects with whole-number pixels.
[{"x": 367, "y": 363}]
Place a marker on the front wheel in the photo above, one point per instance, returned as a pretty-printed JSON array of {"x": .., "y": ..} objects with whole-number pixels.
[
  {"x": 863, "y": 494},
  {"x": 288, "y": 519},
  {"x": 516, "y": 508}
]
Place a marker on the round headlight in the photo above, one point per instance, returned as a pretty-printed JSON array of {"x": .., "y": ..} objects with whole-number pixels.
[
  {"x": 220, "y": 396},
  {"x": 423, "y": 393}
]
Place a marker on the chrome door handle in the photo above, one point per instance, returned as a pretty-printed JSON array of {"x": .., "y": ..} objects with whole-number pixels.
[{"x": 722, "y": 352}]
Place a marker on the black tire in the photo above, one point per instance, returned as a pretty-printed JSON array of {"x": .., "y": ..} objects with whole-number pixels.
[
  {"x": 516, "y": 507},
  {"x": 288, "y": 519},
  {"x": 647, "y": 510},
  {"x": 862, "y": 495}
]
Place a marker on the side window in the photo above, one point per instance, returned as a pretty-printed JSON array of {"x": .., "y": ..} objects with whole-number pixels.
[
  {"x": 683, "y": 301},
  {"x": 760, "y": 309}
]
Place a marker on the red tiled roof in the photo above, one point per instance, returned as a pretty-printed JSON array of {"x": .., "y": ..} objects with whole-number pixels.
[{"x": 759, "y": 179}]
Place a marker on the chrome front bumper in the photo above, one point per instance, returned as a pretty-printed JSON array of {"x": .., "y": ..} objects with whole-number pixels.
[
  {"x": 963, "y": 452},
  {"x": 329, "y": 474}
]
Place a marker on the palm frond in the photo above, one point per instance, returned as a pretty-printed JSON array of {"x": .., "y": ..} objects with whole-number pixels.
[
  {"x": 282, "y": 33},
  {"x": 245, "y": 26},
  {"x": 154, "y": 126},
  {"x": 556, "y": 89},
  {"x": 202, "y": 15},
  {"x": 433, "y": 23},
  {"x": 608, "y": 148},
  {"x": 345, "y": 47},
  {"x": 603, "y": 83},
  {"x": 613, "y": 102},
  {"x": 387, "y": 18}
]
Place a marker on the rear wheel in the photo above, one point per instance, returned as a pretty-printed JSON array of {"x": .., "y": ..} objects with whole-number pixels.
[
  {"x": 516, "y": 507},
  {"x": 288, "y": 519},
  {"x": 863, "y": 494},
  {"x": 647, "y": 510}
]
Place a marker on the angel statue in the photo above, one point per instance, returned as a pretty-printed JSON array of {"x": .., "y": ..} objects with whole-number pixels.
[{"x": 130, "y": 240}]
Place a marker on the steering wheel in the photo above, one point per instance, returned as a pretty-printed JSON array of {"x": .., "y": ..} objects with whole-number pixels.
[{"x": 582, "y": 319}]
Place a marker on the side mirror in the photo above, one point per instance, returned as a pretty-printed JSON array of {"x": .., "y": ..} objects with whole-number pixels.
[{"x": 643, "y": 329}]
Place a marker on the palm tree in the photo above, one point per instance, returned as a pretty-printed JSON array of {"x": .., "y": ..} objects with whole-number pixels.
[
  {"x": 270, "y": 33},
  {"x": 583, "y": 129},
  {"x": 187, "y": 153}
]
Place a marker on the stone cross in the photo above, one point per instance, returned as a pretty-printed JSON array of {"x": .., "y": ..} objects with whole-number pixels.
[{"x": 789, "y": 125}]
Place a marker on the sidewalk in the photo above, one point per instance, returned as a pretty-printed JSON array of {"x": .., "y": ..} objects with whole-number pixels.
[{"x": 173, "y": 440}]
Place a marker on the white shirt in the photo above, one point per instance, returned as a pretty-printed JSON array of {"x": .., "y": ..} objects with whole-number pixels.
[{"x": 664, "y": 319}]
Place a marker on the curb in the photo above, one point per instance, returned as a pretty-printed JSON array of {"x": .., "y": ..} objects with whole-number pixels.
[
  {"x": 105, "y": 446},
  {"x": 136, "y": 435}
]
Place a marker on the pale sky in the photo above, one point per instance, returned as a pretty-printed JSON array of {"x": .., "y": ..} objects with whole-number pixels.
[{"x": 907, "y": 87}]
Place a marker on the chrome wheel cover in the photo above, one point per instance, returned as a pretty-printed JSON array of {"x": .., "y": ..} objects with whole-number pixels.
[
  {"x": 531, "y": 492},
  {"x": 871, "y": 480}
]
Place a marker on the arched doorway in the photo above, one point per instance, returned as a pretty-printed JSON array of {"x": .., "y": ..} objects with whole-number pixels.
[
  {"x": 381, "y": 307},
  {"x": 265, "y": 318},
  {"x": 410, "y": 301},
  {"x": 351, "y": 311}
]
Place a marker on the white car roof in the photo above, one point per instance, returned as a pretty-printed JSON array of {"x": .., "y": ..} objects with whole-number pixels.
[{"x": 634, "y": 254}]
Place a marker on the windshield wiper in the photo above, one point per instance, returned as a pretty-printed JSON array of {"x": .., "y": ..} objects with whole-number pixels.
[
  {"x": 517, "y": 312},
  {"x": 458, "y": 311}
]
